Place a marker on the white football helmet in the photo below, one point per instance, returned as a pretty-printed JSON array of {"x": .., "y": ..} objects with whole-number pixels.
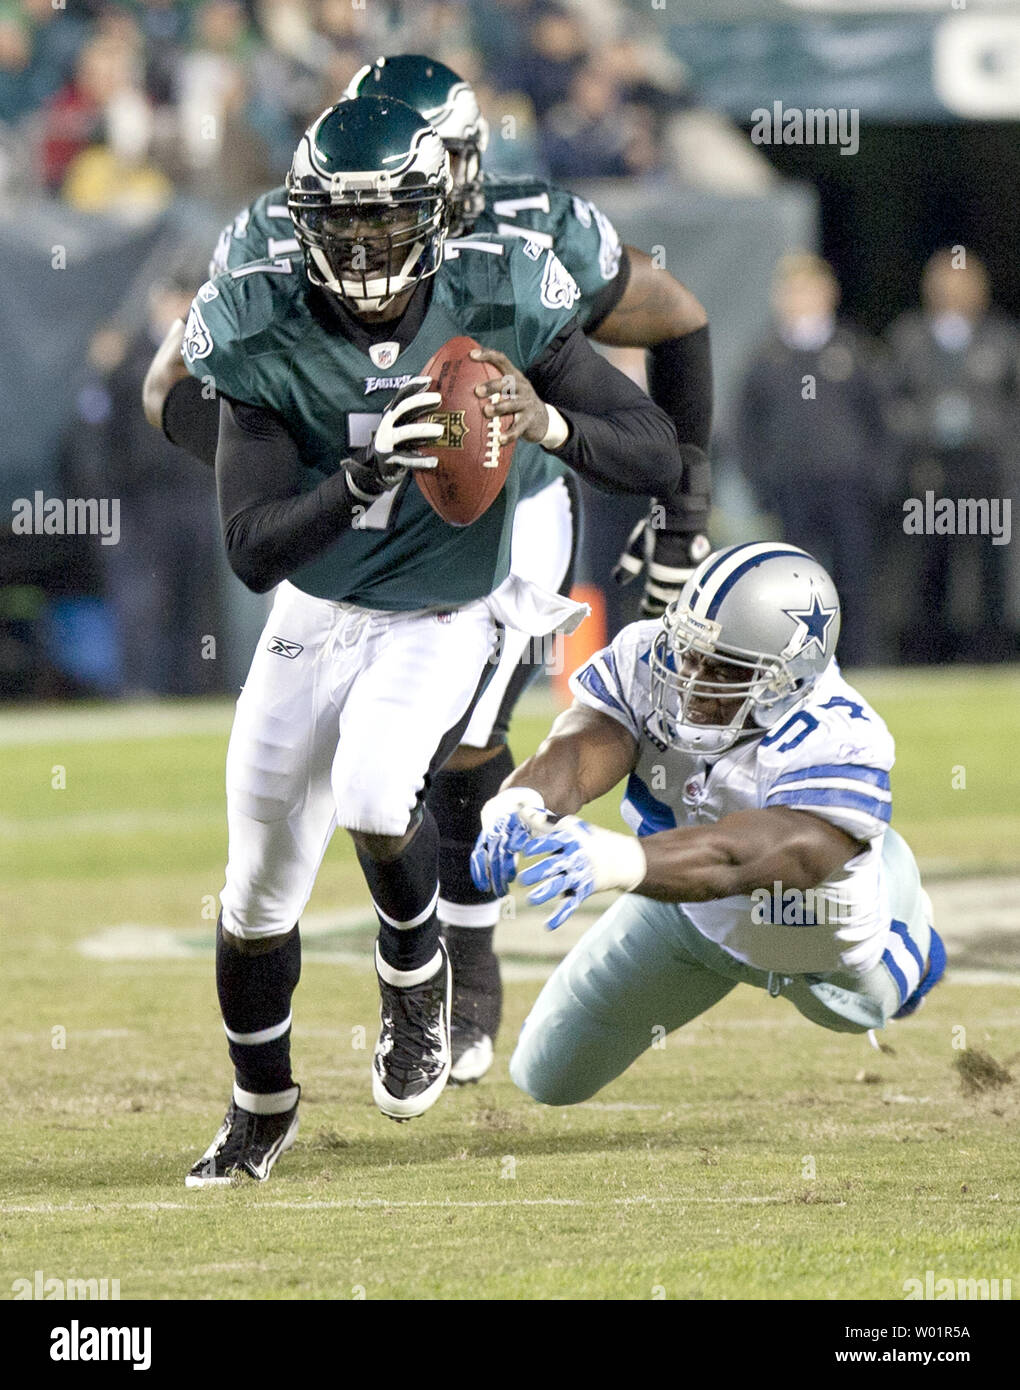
[{"x": 764, "y": 618}]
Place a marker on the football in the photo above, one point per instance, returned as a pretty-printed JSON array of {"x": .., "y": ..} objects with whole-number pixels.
[{"x": 472, "y": 463}]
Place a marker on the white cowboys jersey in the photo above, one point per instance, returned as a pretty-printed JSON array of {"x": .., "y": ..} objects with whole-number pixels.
[{"x": 831, "y": 758}]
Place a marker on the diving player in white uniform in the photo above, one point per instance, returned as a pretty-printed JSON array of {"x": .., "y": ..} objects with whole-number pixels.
[{"x": 758, "y": 788}]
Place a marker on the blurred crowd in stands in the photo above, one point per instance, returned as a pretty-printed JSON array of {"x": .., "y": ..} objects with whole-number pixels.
[
  {"x": 121, "y": 106},
  {"x": 115, "y": 104}
]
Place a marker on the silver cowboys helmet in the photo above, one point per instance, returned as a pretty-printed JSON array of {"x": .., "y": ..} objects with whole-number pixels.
[{"x": 764, "y": 618}]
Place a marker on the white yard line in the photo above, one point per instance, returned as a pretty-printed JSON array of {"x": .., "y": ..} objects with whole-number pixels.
[
  {"x": 111, "y": 822},
  {"x": 373, "y": 1203}
]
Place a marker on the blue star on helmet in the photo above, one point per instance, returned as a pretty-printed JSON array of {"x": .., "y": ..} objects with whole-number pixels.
[{"x": 812, "y": 626}]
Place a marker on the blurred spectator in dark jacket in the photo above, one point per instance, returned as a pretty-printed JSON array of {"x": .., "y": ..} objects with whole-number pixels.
[
  {"x": 588, "y": 135},
  {"x": 812, "y": 439},
  {"x": 162, "y": 577},
  {"x": 557, "y": 51},
  {"x": 38, "y": 48},
  {"x": 956, "y": 411},
  {"x": 501, "y": 34}
]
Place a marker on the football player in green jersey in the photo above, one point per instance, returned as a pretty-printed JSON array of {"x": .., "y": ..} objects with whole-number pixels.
[
  {"x": 385, "y": 617},
  {"x": 625, "y": 300}
]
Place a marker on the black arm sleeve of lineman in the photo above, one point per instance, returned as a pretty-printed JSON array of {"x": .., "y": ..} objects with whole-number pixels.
[
  {"x": 620, "y": 440},
  {"x": 680, "y": 380},
  {"x": 271, "y": 527},
  {"x": 192, "y": 421},
  {"x": 609, "y": 296}
]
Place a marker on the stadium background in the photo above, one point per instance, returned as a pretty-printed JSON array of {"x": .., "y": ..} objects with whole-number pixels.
[
  {"x": 130, "y": 132},
  {"x": 688, "y": 1178}
]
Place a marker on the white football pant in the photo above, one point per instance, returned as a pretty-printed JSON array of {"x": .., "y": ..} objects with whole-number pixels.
[{"x": 342, "y": 713}]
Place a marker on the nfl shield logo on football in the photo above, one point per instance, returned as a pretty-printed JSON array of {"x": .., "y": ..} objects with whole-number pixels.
[{"x": 384, "y": 354}]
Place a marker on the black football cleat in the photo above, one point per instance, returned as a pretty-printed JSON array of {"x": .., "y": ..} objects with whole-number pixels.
[
  {"x": 246, "y": 1144},
  {"x": 411, "y": 1065}
]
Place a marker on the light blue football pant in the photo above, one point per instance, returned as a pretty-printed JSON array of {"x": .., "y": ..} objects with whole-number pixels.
[{"x": 644, "y": 970}]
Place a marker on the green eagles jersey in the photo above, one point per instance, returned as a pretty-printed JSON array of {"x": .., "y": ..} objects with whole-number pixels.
[
  {"x": 264, "y": 337},
  {"x": 583, "y": 238}
]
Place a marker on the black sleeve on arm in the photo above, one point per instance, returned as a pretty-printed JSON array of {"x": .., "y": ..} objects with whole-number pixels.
[
  {"x": 271, "y": 527},
  {"x": 192, "y": 421},
  {"x": 620, "y": 441},
  {"x": 680, "y": 380},
  {"x": 610, "y": 295}
]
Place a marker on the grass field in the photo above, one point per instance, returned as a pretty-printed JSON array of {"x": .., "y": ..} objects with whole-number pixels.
[{"x": 753, "y": 1156}]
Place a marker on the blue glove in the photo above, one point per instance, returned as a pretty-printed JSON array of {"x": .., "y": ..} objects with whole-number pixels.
[
  {"x": 583, "y": 859},
  {"x": 503, "y": 835},
  {"x": 494, "y": 858},
  {"x": 568, "y": 870}
]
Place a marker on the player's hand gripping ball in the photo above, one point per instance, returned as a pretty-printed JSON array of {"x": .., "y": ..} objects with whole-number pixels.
[{"x": 474, "y": 456}]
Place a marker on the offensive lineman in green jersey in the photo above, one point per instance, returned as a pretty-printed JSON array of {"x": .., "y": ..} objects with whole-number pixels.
[
  {"x": 624, "y": 300},
  {"x": 382, "y": 629}
]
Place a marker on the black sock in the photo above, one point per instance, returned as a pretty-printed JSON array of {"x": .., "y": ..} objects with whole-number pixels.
[
  {"x": 456, "y": 799},
  {"x": 478, "y": 988},
  {"x": 255, "y": 993},
  {"x": 404, "y": 889}
]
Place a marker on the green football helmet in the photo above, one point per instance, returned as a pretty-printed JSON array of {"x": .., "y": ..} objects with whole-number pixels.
[
  {"x": 369, "y": 194},
  {"x": 450, "y": 106}
]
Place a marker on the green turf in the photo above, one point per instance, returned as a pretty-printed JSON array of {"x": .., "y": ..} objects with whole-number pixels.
[{"x": 688, "y": 1177}]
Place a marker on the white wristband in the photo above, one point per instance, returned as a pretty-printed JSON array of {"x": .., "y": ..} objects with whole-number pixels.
[
  {"x": 508, "y": 801},
  {"x": 632, "y": 865},
  {"x": 558, "y": 431}
]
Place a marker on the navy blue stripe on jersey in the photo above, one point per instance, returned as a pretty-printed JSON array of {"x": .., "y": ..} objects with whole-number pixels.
[
  {"x": 900, "y": 928},
  {"x": 655, "y": 814},
  {"x": 832, "y": 796},
  {"x": 609, "y": 662},
  {"x": 855, "y": 772},
  {"x": 897, "y": 974},
  {"x": 593, "y": 682},
  {"x": 739, "y": 572}
]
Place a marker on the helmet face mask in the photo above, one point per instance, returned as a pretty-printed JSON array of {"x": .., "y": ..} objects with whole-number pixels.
[
  {"x": 373, "y": 250},
  {"x": 370, "y": 235},
  {"x": 709, "y": 690},
  {"x": 468, "y": 200}
]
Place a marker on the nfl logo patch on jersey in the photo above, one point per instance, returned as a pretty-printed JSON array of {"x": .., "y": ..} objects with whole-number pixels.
[
  {"x": 384, "y": 354},
  {"x": 694, "y": 791}
]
